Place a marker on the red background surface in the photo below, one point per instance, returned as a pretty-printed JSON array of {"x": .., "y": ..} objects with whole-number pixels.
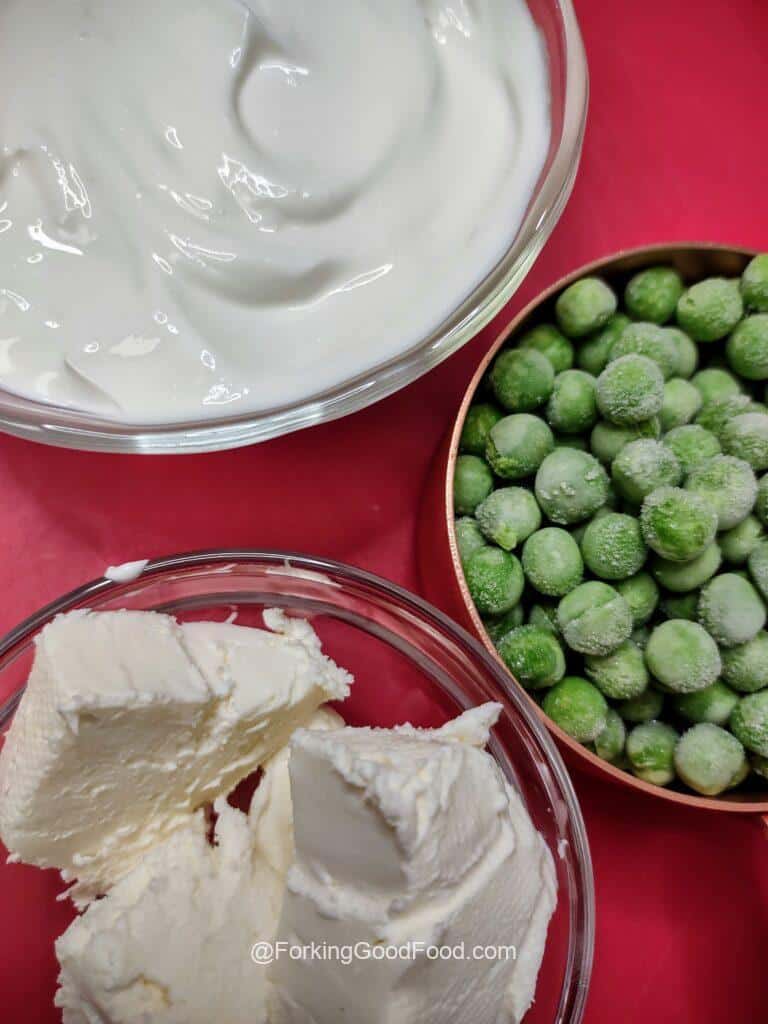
[{"x": 676, "y": 149}]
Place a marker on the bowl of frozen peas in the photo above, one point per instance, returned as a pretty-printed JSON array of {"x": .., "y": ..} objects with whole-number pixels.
[{"x": 604, "y": 493}]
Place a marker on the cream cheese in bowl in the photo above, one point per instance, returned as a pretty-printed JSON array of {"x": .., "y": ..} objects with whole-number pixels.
[{"x": 209, "y": 208}]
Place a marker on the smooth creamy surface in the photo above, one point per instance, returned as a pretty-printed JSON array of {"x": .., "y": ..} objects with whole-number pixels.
[
  {"x": 131, "y": 721},
  {"x": 436, "y": 850},
  {"x": 209, "y": 207}
]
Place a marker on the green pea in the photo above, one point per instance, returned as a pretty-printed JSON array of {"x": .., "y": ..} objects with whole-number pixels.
[
  {"x": 754, "y": 284},
  {"x": 749, "y": 722},
  {"x": 546, "y": 338},
  {"x": 497, "y": 626},
  {"x": 709, "y": 310},
  {"x": 677, "y": 524},
  {"x": 691, "y": 445},
  {"x": 682, "y": 656},
  {"x": 608, "y": 439},
  {"x": 572, "y": 406},
  {"x": 682, "y": 577},
  {"x": 508, "y": 516},
  {"x": 517, "y": 445},
  {"x": 686, "y": 606},
  {"x": 495, "y": 580},
  {"x": 730, "y": 610},
  {"x": 738, "y": 543},
  {"x": 715, "y": 384},
  {"x": 630, "y": 390},
  {"x": 594, "y": 618},
  {"x": 552, "y": 562},
  {"x": 747, "y": 347},
  {"x": 646, "y": 707},
  {"x": 745, "y": 667},
  {"x": 715, "y": 416},
  {"x": 708, "y": 759},
  {"x": 643, "y": 466},
  {"x": 746, "y": 437},
  {"x": 472, "y": 482},
  {"x": 658, "y": 344},
  {"x": 609, "y": 744},
  {"x": 712, "y": 704},
  {"x": 641, "y": 594},
  {"x": 477, "y": 426},
  {"x": 651, "y": 749},
  {"x": 577, "y": 707},
  {"x": 469, "y": 538},
  {"x": 585, "y": 306},
  {"x": 653, "y": 294},
  {"x": 687, "y": 352},
  {"x": 613, "y": 547},
  {"x": 727, "y": 485},
  {"x": 533, "y": 656},
  {"x": 522, "y": 379},
  {"x": 570, "y": 486},
  {"x": 620, "y": 674},
  {"x": 681, "y": 403}
]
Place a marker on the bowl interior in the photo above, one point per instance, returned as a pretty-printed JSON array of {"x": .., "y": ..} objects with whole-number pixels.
[
  {"x": 410, "y": 663},
  {"x": 68, "y": 428},
  {"x": 693, "y": 261}
]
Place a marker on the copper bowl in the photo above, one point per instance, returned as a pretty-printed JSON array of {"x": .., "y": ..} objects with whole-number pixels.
[{"x": 441, "y": 573}]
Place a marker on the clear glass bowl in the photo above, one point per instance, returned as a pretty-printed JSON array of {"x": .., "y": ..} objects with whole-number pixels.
[
  {"x": 411, "y": 664},
  {"x": 67, "y": 428}
]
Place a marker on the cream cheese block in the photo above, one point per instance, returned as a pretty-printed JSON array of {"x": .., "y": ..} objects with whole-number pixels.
[
  {"x": 132, "y": 721},
  {"x": 171, "y": 941},
  {"x": 410, "y": 839}
]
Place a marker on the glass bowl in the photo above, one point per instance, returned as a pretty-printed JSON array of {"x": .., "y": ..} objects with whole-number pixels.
[
  {"x": 55, "y": 425},
  {"x": 411, "y": 664}
]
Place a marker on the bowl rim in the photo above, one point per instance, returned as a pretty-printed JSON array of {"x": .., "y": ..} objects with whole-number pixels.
[
  {"x": 580, "y": 955},
  {"x": 607, "y": 264},
  {"x": 68, "y": 428}
]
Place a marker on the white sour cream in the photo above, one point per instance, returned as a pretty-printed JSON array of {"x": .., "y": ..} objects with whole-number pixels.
[{"x": 208, "y": 208}]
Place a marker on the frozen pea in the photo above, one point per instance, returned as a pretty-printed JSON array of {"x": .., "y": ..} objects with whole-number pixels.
[
  {"x": 712, "y": 704},
  {"x": 745, "y": 667},
  {"x": 570, "y": 486},
  {"x": 552, "y": 562},
  {"x": 708, "y": 759},
  {"x": 517, "y": 445},
  {"x": 686, "y": 606},
  {"x": 754, "y": 283},
  {"x": 497, "y": 626},
  {"x": 727, "y": 485},
  {"x": 577, "y": 707},
  {"x": 709, "y": 310},
  {"x": 508, "y": 516},
  {"x": 609, "y": 744},
  {"x": 546, "y": 338},
  {"x": 651, "y": 341},
  {"x": 630, "y": 390},
  {"x": 761, "y": 502},
  {"x": 651, "y": 751},
  {"x": 749, "y": 722},
  {"x": 652, "y": 294},
  {"x": 682, "y": 656},
  {"x": 757, "y": 563},
  {"x": 585, "y": 306},
  {"x": 477, "y": 425},
  {"x": 715, "y": 415},
  {"x": 608, "y": 439},
  {"x": 613, "y": 547},
  {"x": 572, "y": 406},
  {"x": 469, "y": 538},
  {"x": 544, "y": 616},
  {"x": 747, "y": 347},
  {"x": 593, "y": 354},
  {"x": 681, "y": 403},
  {"x": 738, "y": 543},
  {"x": 746, "y": 437},
  {"x": 522, "y": 379},
  {"x": 682, "y": 577},
  {"x": 759, "y": 765},
  {"x": 715, "y": 384},
  {"x": 643, "y": 466},
  {"x": 594, "y": 618},
  {"x": 533, "y": 656},
  {"x": 730, "y": 610},
  {"x": 677, "y": 524},
  {"x": 620, "y": 674},
  {"x": 641, "y": 594},
  {"x": 472, "y": 483},
  {"x": 646, "y": 707},
  {"x": 578, "y": 531},
  {"x": 687, "y": 352},
  {"x": 495, "y": 580},
  {"x": 691, "y": 445}
]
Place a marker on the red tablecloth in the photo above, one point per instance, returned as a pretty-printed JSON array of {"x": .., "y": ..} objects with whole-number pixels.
[{"x": 676, "y": 149}]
